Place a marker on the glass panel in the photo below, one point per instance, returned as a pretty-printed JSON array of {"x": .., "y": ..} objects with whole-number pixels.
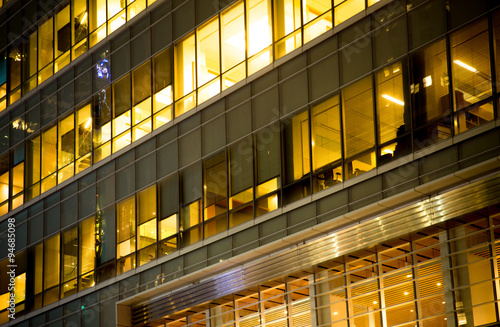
[
  {"x": 141, "y": 83},
  {"x": 233, "y": 40},
  {"x": 114, "y": 6},
  {"x": 326, "y": 133},
  {"x": 146, "y": 215},
  {"x": 215, "y": 188},
  {"x": 97, "y": 13},
  {"x": 17, "y": 179},
  {"x": 15, "y": 68},
  {"x": 429, "y": 88},
  {"x": 207, "y": 38},
  {"x": 83, "y": 138},
  {"x": 51, "y": 262},
  {"x": 4, "y": 185},
  {"x": 45, "y": 44},
  {"x": 162, "y": 80},
  {"x": 357, "y": 112},
  {"x": 297, "y": 147},
  {"x": 286, "y": 20},
  {"x": 315, "y": 8},
  {"x": 87, "y": 252},
  {"x": 318, "y": 26},
  {"x": 391, "y": 113},
  {"x": 259, "y": 27},
  {"x": 30, "y": 56},
  {"x": 185, "y": 70},
  {"x": 346, "y": 9},
  {"x": 471, "y": 75},
  {"x": 80, "y": 21},
  {"x": 63, "y": 32},
  {"x": 66, "y": 142},
  {"x": 125, "y": 227},
  {"x": 102, "y": 116},
  {"x": 191, "y": 215},
  {"x": 70, "y": 255},
  {"x": 38, "y": 270},
  {"x": 268, "y": 161},
  {"x": 49, "y": 152},
  {"x": 168, "y": 227}
]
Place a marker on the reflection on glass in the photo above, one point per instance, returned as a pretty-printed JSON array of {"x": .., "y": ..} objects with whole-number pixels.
[
  {"x": 215, "y": 185},
  {"x": 125, "y": 227}
]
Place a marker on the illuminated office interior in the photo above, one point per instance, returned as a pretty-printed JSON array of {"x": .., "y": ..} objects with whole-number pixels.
[{"x": 140, "y": 140}]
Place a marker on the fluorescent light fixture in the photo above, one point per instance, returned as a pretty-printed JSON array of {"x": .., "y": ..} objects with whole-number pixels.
[
  {"x": 88, "y": 123},
  {"x": 464, "y": 65},
  {"x": 396, "y": 101}
]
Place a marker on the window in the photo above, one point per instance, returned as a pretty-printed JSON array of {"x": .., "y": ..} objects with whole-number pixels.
[
  {"x": 358, "y": 121},
  {"x": 241, "y": 182},
  {"x": 30, "y": 62},
  {"x": 233, "y": 45},
  {"x": 125, "y": 234},
  {"x": 391, "y": 113},
  {"x": 259, "y": 22},
  {"x": 121, "y": 113},
  {"x": 268, "y": 168},
  {"x": 146, "y": 221},
  {"x": 79, "y": 27},
  {"x": 49, "y": 158},
  {"x": 297, "y": 147},
  {"x": 87, "y": 250},
  {"x": 101, "y": 103},
  {"x": 326, "y": 143},
  {"x": 345, "y": 9},
  {"x": 287, "y": 23},
  {"x": 141, "y": 91},
  {"x": 162, "y": 101},
  {"x": 83, "y": 139},
  {"x": 191, "y": 209},
  {"x": 97, "y": 18},
  {"x": 51, "y": 268},
  {"x": 62, "y": 38},
  {"x": 207, "y": 38},
  {"x": 45, "y": 49},
  {"x": 470, "y": 62},
  {"x": 317, "y": 17},
  {"x": 430, "y": 96},
  {"x": 185, "y": 75},
  {"x": 69, "y": 269},
  {"x": 215, "y": 191},
  {"x": 66, "y": 147}
]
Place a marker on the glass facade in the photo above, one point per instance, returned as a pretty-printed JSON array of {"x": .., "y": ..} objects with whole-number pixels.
[
  {"x": 437, "y": 277},
  {"x": 190, "y": 124}
]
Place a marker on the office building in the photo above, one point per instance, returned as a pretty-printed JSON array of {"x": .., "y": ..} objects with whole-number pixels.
[{"x": 249, "y": 163}]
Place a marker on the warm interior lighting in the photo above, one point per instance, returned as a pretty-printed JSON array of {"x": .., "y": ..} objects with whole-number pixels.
[
  {"x": 464, "y": 65},
  {"x": 88, "y": 123},
  {"x": 392, "y": 99},
  {"x": 389, "y": 151},
  {"x": 83, "y": 19},
  {"x": 427, "y": 81}
]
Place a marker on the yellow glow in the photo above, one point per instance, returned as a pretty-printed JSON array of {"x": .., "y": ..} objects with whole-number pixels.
[
  {"x": 392, "y": 99},
  {"x": 83, "y": 19},
  {"x": 427, "y": 81},
  {"x": 88, "y": 123},
  {"x": 164, "y": 96},
  {"x": 389, "y": 151},
  {"x": 464, "y": 65}
]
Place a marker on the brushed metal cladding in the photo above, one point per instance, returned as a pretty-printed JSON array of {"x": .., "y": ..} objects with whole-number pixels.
[{"x": 362, "y": 234}]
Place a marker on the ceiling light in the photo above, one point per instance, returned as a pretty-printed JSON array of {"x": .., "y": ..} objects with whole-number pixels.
[
  {"x": 464, "y": 65},
  {"x": 392, "y": 99}
]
